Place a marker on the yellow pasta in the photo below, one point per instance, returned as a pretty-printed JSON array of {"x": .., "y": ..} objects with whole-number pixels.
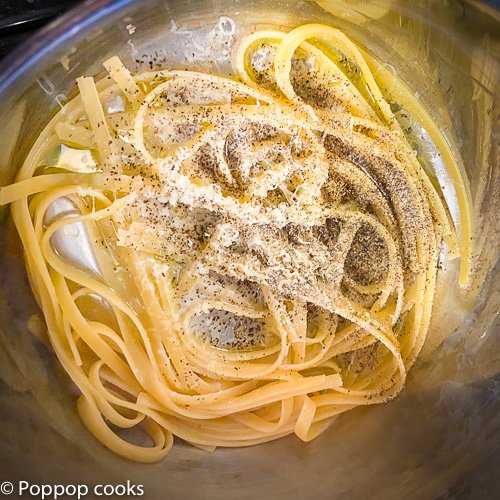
[{"x": 264, "y": 249}]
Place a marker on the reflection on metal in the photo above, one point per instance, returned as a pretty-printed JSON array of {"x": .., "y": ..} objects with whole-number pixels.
[{"x": 357, "y": 11}]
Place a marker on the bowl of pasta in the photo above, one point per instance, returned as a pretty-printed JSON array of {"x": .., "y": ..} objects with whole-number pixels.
[{"x": 250, "y": 248}]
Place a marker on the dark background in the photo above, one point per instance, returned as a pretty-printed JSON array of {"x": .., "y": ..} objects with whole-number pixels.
[{"x": 20, "y": 18}]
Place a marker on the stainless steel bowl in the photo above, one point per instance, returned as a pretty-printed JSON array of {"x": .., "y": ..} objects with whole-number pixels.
[{"x": 441, "y": 437}]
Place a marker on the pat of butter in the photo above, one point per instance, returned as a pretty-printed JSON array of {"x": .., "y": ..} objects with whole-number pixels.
[{"x": 76, "y": 160}]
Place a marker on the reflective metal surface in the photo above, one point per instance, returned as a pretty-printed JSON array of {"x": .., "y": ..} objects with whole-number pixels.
[{"x": 441, "y": 437}]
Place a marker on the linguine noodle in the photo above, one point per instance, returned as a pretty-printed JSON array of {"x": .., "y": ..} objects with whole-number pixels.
[{"x": 265, "y": 247}]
